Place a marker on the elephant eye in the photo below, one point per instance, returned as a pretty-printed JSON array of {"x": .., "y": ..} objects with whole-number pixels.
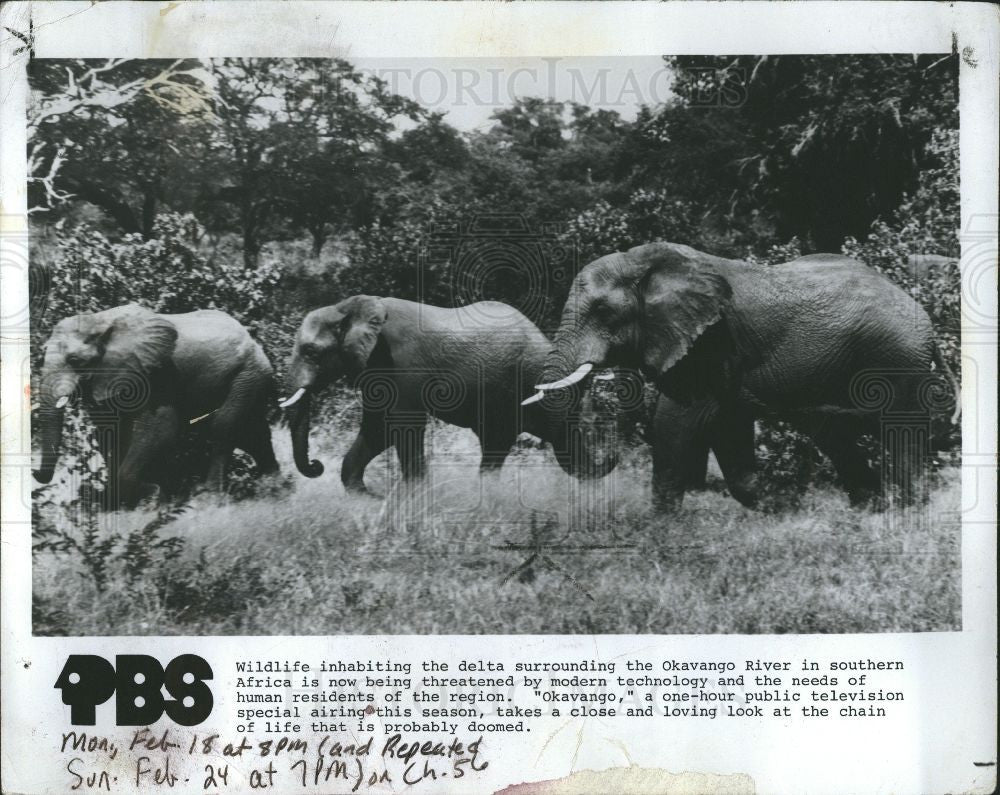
[
  {"x": 601, "y": 310},
  {"x": 612, "y": 318}
]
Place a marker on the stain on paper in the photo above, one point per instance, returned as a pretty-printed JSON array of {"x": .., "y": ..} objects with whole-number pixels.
[{"x": 637, "y": 780}]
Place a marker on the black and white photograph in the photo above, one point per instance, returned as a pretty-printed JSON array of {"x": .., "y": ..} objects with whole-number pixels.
[
  {"x": 475, "y": 398},
  {"x": 665, "y": 344}
]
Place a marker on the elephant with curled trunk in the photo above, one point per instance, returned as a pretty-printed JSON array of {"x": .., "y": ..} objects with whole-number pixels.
[
  {"x": 469, "y": 367},
  {"x": 824, "y": 342},
  {"x": 144, "y": 378}
]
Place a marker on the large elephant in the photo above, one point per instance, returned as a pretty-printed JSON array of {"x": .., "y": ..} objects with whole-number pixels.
[
  {"x": 144, "y": 378},
  {"x": 470, "y": 367},
  {"x": 824, "y": 342}
]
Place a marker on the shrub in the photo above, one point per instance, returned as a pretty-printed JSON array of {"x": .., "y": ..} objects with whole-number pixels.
[
  {"x": 788, "y": 463},
  {"x": 648, "y": 216},
  {"x": 776, "y": 253},
  {"x": 104, "y": 554},
  {"x": 166, "y": 273}
]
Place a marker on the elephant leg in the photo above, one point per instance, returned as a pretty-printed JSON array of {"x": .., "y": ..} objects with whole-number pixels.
[
  {"x": 908, "y": 450},
  {"x": 731, "y": 436},
  {"x": 225, "y": 432},
  {"x": 697, "y": 465},
  {"x": 905, "y": 433},
  {"x": 258, "y": 444},
  {"x": 154, "y": 444},
  {"x": 215, "y": 479},
  {"x": 680, "y": 450},
  {"x": 242, "y": 422},
  {"x": 837, "y": 438},
  {"x": 669, "y": 478},
  {"x": 408, "y": 439},
  {"x": 114, "y": 436},
  {"x": 371, "y": 440}
]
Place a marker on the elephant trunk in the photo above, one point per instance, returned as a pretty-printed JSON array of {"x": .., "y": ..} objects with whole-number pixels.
[
  {"x": 299, "y": 424},
  {"x": 49, "y": 421},
  {"x": 578, "y": 350},
  {"x": 56, "y": 386},
  {"x": 583, "y": 447},
  {"x": 585, "y": 455}
]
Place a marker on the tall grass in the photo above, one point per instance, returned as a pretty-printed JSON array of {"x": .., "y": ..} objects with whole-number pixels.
[{"x": 508, "y": 555}]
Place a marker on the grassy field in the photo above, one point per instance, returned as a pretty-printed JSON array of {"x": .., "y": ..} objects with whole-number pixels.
[{"x": 505, "y": 556}]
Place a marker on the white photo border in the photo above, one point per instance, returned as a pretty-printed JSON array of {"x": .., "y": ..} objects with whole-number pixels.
[{"x": 950, "y": 726}]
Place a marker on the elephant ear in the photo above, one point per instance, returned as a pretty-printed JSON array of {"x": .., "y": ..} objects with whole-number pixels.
[
  {"x": 363, "y": 323},
  {"x": 681, "y": 299},
  {"x": 137, "y": 344}
]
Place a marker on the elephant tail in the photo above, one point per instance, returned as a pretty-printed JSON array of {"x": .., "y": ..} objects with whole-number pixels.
[{"x": 942, "y": 365}]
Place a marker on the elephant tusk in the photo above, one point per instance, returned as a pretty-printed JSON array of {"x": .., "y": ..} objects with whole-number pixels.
[
  {"x": 61, "y": 403},
  {"x": 576, "y": 376},
  {"x": 293, "y": 399},
  {"x": 199, "y": 419},
  {"x": 604, "y": 377},
  {"x": 533, "y": 399}
]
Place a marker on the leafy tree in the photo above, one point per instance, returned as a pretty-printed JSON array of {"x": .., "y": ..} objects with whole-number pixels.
[
  {"x": 431, "y": 148},
  {"x": 334, "y": 137},
  {"x": 819, "y": 145},
  {"x": 530, "y": 128},
  {"x": 305, "y": 140},
  {"x": 247, "y": 106},
  {"x": 926, "y": 222}
]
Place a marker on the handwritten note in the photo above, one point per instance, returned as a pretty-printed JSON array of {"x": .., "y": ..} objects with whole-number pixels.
[{"x": 148, "y": 760}]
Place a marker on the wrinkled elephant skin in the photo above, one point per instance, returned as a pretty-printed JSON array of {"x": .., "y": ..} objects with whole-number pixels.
[{"x": 144, "y": 378}]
